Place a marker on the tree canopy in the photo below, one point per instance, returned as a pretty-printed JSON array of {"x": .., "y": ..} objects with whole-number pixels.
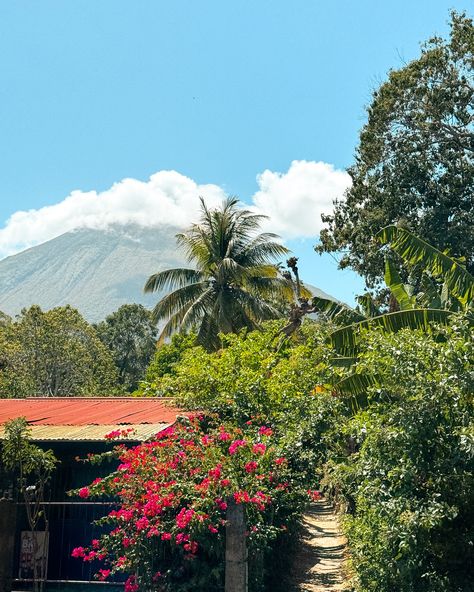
[
  {"x": 53, "y": 354},
  {"x": 130, "y": 335},
  {"x": 415, "y": 160}
]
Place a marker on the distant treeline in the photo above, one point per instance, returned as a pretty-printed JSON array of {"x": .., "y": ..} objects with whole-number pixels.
[{"x": 57, "y": 353}]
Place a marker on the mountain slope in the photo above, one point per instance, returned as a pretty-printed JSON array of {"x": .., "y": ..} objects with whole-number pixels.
[{"x": 96, "y": 271}]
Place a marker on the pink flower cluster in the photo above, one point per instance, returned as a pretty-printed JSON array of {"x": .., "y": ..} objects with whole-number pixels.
[
  {"x": 236, "y": 444},
  {"x": 174, "y": 492}
]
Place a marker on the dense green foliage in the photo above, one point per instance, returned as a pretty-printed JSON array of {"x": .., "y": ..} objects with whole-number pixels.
[
  {"x": 167, "y": 355},
  {"x": 130, "y": 335},
  {"x": 255, "y": 375},
  {"x": 234, "y": 281},
  {"x": 401, "y": 464},
  {"x": 414, "y": 163},
  {"x": 53, "y": 353},
  {"x": 410, "y": 483}
]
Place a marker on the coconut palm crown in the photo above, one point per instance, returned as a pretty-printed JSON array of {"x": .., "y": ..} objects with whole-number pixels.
[{"x": 234, "y": 280}]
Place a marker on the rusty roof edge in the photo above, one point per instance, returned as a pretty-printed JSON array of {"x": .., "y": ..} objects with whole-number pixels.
[{"x": 89, "y": 432}]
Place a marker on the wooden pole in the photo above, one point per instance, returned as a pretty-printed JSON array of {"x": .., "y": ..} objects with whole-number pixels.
[{"x": 236, "y": 570}]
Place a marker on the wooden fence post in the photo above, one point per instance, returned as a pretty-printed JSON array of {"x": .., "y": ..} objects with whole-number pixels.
[
  {"x": 7, "y": 543},
  {"x": 236, "y": 569}
]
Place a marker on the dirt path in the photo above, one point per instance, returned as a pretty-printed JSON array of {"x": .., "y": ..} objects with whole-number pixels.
[{"x": 319, "y": 563}]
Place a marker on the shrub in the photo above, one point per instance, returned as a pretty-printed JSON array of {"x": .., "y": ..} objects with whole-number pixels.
[
  {"x": 411, "y": 482},
  {"x": 168, "y": 530}
]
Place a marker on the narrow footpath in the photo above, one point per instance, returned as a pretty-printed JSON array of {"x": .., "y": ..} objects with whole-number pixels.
[{"x": 319, "y": 563}]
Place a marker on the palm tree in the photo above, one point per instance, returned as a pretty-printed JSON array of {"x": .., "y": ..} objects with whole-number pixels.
[{"x": 233, "y": 282}]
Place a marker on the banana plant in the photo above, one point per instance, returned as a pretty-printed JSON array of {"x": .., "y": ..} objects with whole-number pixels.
[{"x": 416, "y": 311}]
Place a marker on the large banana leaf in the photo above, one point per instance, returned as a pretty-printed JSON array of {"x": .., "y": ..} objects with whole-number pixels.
[
  {"x": 429, "y": 295},
  {"x": 334, "y": 309},
  {"x": 345, "y": 340},
  {"x": 394, "y": 282},
  {"x": 415, "y": 250},
  {"x": 354, "y": 386},
  {"x": 368, "y": 306}
]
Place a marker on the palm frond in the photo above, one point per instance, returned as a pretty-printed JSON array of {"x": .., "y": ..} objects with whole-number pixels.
[
  {"x": 175, "y": 301},
  {"x": 270, "y": 288},
  {"x": 259, "y": 252},
  {"x": 355, "y": 384},
  {"x": 198, "y": 308},
  {"x": 414, "y": 250},
  {"x": 172, "y": 278},
  {"x": 343, "y": 361},
  {"x": 185, "y": 318},
  {"x": 257, "y": 309}
]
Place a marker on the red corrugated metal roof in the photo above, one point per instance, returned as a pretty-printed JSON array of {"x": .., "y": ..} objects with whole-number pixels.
[{"x": 89, "y": 410}]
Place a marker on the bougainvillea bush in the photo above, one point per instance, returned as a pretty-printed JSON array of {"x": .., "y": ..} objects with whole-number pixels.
[{"x": 168, "y": 529}]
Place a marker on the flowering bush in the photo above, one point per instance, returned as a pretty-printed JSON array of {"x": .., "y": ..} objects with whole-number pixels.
[{"x": 167, "y": 530}]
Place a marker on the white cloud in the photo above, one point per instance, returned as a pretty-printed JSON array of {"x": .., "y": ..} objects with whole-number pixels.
[
  {"x": 293, "y": 201},
  {"x": 168, "y": 198}
]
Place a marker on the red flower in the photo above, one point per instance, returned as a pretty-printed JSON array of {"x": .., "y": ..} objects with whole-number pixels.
[
  {"x": 264, "y": 431},
  {"x": 215, "y": 473},
  {"x": 236, "y": 444},
  {"x": 131, "y": 584},
  {"x": 184, "y": 517},
  {"x": 104, "y": 574},
  {"x": 78, "y": 552},
  {"x": 280, "y": 460},
  {"x": 84, "y": 492},
  {"x": 251, "y": 466},
  {"x": 259, "y": 448},
  {"x": 241, "y": 497},
  {"x": 192, "y": 547},
  {"x": 221, "y": 504},
  {"x": 142, "y": 523},
  {"x": 112, "y": 435}
]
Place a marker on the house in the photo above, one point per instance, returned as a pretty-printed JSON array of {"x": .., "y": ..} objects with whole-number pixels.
[{"x": 72, "y": 428}]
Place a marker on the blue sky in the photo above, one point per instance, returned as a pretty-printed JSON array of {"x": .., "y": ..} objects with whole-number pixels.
[{"x": 94, "y": 92}]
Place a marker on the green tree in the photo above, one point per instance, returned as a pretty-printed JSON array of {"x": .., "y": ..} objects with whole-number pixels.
[
  {"x": 32, "y": 468},
  {"x": 415, "y": 160},
  {"x": 52, "y": 354},
  {"x": 130, "y": 334},
  {"x": 168, "y": 355},
  {"x": 234, "y": 280}
]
